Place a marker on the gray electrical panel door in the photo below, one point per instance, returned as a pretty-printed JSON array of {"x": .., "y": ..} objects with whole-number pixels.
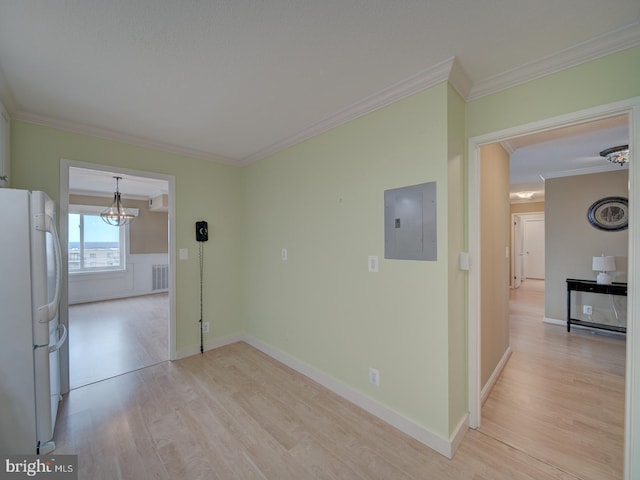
[{"x": 410, "y": 229}]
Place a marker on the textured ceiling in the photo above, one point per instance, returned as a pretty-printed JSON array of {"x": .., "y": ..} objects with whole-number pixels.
[
  {"x": 236, "y": 80},
  {"x": 562, "y": 152}
]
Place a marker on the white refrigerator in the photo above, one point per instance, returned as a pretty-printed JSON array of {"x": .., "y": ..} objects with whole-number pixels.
[{"x": 30, "y": 333}]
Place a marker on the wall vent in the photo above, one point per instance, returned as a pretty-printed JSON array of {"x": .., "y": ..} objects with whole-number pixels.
[{"x": 160, "y": 277}]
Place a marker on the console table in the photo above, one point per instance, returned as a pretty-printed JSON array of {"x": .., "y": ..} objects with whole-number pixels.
[{"x": 575, "y": 285}]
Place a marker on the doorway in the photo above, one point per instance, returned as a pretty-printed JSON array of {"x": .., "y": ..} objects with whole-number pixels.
[
  {"x": 527, "y": 247},
  {"x": 123, "y": 317},
  {"x": 633, "y": 339}
]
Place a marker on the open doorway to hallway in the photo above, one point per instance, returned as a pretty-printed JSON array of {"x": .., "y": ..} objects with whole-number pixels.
[{"x": 557, "y": 396}]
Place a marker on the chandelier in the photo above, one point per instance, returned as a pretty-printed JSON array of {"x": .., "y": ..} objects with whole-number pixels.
[
  {"x": 116, "y": 215},
  {"x": 619, "y": 154}
]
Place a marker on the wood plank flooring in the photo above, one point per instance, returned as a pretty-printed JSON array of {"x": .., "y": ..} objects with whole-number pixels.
[
  {"x": 561, "y": 396},
  {"x": 117, "y": 336},
  {"x": 236, "y": 413}
]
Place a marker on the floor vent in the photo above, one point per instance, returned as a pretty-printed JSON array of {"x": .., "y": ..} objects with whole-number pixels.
[{"x": 160, "y": 277}]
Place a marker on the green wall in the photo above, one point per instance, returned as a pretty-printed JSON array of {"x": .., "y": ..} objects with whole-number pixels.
[
  {"x": 599, "y": 82},
  {"x": 323, "y": 200},
  {"x": 456, "y": 242},
  {"x": 204, "y": 190}
]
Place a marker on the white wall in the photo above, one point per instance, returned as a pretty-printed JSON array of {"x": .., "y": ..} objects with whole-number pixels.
[{"x": 135, "y": 280}]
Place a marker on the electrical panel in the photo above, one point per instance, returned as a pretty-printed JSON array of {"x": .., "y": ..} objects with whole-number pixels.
[{"x": 410, "y": 227}]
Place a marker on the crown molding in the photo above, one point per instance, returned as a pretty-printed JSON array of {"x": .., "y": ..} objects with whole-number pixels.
[
  {"x": 508, "y": 146},
  {"x": 448, "y": 70},
  {"x": 459, "y": 79},
  {"x": 112, "y": 135},
  {"x": 596, "y": 47},
  {"x": 583, "y": 171},
  {"x": 399, "y": 90}
]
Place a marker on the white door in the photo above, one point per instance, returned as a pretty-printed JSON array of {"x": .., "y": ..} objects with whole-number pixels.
[
  {"x": 518, "y": 250},
  {"x": 534, "y": 247}
]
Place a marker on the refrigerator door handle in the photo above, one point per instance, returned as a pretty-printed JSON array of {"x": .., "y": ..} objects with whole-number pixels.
[
  {"x": 61, "y": 339},
  {"x": 48, "y": 312}
]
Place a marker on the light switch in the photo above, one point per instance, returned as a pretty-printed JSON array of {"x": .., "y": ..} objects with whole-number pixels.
[
  {"x": 184, "y": 254},
  {"x": 463, "y": 261},
  {"x": 373, "y": 263}
]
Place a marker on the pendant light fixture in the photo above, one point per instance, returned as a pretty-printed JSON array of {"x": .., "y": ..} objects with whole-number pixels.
[
  {"x": 116, "y": 215},
  {"x": 619, "y": 154}
]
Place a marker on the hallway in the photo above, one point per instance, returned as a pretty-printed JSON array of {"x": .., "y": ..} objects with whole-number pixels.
[{"x": 560, "y": 398}]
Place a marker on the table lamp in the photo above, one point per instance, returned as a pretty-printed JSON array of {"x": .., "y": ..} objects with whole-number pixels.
[{"x": 604, "y": 264}]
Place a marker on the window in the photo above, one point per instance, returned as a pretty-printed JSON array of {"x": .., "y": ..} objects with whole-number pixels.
[{"x": 94, "y": 245}]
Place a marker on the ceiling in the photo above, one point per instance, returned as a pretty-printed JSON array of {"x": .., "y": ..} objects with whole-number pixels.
[
  {"x": 101, "y": 183},
  {"x": 234, "y": 82},
  {"x": 563, "y": 152}
]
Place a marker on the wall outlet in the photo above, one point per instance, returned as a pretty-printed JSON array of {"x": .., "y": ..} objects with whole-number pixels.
[
  {"x": 587, "y": 309},
  {"x": 205, "y": 327},
  {"x": 284, "y": 254},
  {"x": 374, "y": 377}
]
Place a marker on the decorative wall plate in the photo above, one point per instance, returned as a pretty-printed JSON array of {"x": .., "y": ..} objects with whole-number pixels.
[{"x": 610, "y": 214}]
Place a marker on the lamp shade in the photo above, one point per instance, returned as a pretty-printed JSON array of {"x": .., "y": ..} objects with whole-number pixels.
[{"x": 604, "y": 264}]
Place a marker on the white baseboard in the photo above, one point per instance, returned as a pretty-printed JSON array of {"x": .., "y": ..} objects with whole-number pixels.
[
  {"x": 446, "y": 447},
  {"x": 458, "y": 434},
  {"x": 554, "y": 321},
  {"x": 210, "y": 345},
  {"x": 486, "y": 390}
]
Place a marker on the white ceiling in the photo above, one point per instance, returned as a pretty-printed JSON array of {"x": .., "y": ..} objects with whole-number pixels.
[
  {"x": 237, "y": 81},
  {"x": 562, "y": 152},
  {"x": 86, "y": 181}
]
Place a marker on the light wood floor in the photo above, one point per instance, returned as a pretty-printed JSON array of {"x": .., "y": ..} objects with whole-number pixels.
[
  {"x": 560, "y": 398},
  {"x": 117, "y": 336},
  {"x": 236, "y": 413}
]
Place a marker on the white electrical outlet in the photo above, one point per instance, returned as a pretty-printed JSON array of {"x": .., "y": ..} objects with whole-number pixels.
[
  {"x": 587, "y": 309},
  {"x": 284, "y": 254},
  {"x": 205, "y": 327},
  {"x": 374, "y": 377}
]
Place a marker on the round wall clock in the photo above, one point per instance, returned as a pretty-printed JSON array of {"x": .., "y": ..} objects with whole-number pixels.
[{"x": 610, "y": 214}]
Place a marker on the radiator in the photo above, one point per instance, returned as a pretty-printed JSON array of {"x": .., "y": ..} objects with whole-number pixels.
[{"x": 159, "y": 277}]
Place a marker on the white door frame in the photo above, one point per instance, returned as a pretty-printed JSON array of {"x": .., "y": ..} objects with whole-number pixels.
[
  {"x": 514, "y": 250},
  {"x": 64, "y": 233},
  {"x": 630, "y": 107}
]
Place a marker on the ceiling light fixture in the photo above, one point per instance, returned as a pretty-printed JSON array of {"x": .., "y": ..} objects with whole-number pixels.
[
  {"x": 526, "y": 195},
  {"x": 619, "y": 154},
  {"x": 116, "y": 215}
]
